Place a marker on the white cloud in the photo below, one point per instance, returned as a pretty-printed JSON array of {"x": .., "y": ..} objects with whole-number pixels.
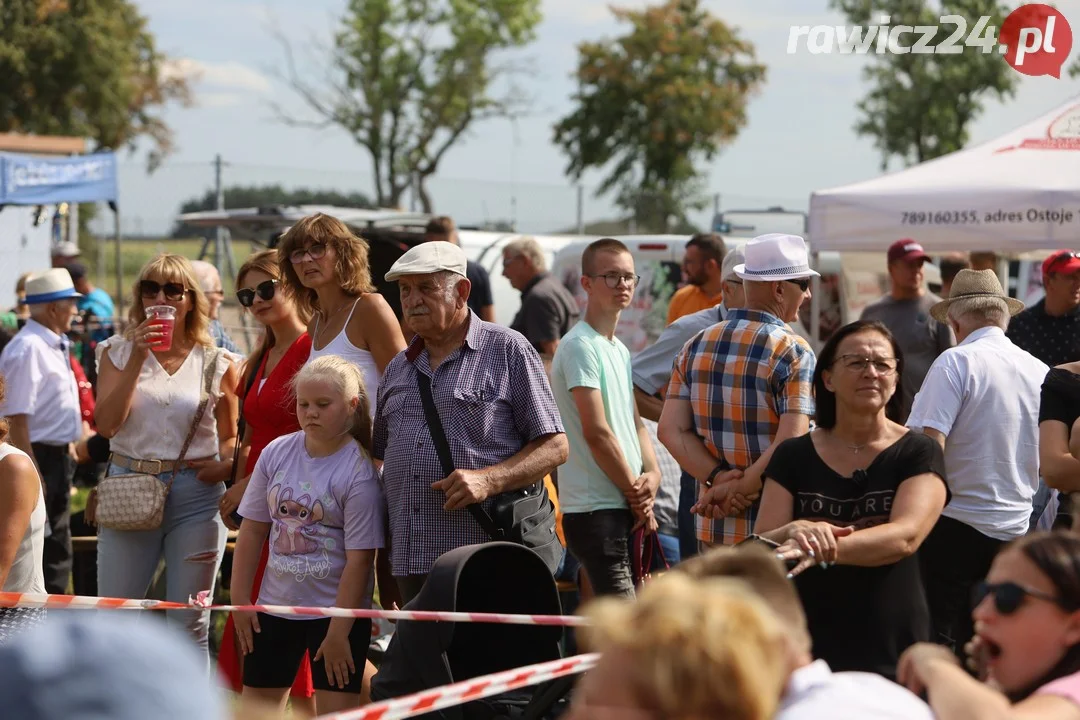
[{"x": 214, "y": 78}]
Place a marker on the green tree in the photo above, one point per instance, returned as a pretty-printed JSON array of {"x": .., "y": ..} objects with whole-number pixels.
[
  {"x": 921, "y": 105},
  {"x": 654, "y": 102},
  {"x": 244, "y": 196},
  {"x": 408, "y": 78},
  {"x": 86, "y": 68}
]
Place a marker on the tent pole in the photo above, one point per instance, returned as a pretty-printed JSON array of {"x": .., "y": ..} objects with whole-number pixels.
[
  {"x": 119, "y": 263},
  {"x": 815, "y": 304}
]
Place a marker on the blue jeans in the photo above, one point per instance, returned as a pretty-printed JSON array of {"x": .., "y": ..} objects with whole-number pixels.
[
  {"x": 671, "y": 545},
  {"x": 192, "y": 541}
]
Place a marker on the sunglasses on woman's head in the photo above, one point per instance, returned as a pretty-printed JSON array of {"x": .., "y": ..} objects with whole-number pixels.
[
  {"x": 1008, "y": 596},
  {"x": 265, "y": 290},
  {"x": 150, "y": 289}
]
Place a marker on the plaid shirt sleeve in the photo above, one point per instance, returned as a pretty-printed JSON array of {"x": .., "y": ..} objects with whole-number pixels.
[
  {"x": 535, "y": 411},
  {"x": 679, "y": 387},
  {"x": 796, "y": 372}
]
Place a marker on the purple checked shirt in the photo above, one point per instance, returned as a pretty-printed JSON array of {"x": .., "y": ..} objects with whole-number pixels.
[{"x": 493, "y": 399}]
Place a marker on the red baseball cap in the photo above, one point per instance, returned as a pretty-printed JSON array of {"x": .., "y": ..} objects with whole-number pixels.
[
  {"x": 906, "y": 249},
  {"x": 1063, "y": 261}
]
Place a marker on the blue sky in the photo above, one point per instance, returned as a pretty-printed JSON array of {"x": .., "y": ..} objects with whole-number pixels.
[{"x": 796, "y": 141}]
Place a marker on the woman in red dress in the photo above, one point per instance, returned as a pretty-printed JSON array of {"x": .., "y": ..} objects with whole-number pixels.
[{"x": 269, "y": 412}]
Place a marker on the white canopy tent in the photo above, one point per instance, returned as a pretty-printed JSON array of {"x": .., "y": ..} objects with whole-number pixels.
[{"x": 1017, "y": 193}]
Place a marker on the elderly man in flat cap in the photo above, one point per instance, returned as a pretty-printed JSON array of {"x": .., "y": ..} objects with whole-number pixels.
[{"x": 488, "y": 429}]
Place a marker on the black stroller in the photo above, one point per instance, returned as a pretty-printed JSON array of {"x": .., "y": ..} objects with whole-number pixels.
[{"x": 498, "y": 577}]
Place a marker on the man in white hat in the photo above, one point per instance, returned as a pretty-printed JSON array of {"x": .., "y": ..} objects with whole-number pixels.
[
  {"x": 42, "y": 406},
  {"x": 741, "y": 387},
  {"x": 980, "y": 400},
  {"x": 652, "y": 373},
  {"x": 493, "y": 403}
]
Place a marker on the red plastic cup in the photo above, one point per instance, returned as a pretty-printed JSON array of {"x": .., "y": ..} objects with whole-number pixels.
[{"x": 165, "y": 317}]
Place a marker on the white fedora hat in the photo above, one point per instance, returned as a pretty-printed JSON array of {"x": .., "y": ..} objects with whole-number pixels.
[
  {"x": 54, "y": 284},
  {"x": 773, "y": 257}
]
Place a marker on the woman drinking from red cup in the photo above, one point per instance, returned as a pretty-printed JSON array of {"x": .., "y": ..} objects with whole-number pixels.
[{"x": 169, "y": 414}]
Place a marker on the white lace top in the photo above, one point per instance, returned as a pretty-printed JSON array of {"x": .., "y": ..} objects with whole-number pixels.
[{"x": 164, "y": 406}]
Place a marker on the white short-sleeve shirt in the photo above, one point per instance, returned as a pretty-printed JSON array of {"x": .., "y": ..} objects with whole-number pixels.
[
  {"x": 163, "y": 406},
  {"x": 984, "y": 395},
  {"x": 41, "y": 385},
  {"x": 815, "y": 692}
]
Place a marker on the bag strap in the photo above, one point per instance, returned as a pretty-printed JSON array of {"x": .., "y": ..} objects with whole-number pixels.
[
  {"x": 442, "y": 447},
  {"x": 210, "y": 362},
  {"x": 241, "y": 425}
]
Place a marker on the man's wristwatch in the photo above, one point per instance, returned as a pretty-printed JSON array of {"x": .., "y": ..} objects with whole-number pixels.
[{"x": 712, "y": 476}]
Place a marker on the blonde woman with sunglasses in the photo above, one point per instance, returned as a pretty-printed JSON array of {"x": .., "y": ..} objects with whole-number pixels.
[{"x": 150, "y": 383}]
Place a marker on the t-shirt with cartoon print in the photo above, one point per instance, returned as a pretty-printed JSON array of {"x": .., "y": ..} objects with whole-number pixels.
[{"x": 318, "y": 508}]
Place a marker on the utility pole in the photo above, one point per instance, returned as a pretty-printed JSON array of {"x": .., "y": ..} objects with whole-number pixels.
[{"x": 223, "y": 251}]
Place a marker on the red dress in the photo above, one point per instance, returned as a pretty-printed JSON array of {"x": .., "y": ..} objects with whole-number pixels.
[{"x": 270, "y": 413}]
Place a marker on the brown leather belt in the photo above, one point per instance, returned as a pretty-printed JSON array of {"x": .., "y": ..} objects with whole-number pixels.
[{"x": 150, "y": 467}]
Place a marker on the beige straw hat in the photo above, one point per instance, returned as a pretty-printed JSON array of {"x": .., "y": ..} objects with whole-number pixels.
[{"x": 974, "y": 284}]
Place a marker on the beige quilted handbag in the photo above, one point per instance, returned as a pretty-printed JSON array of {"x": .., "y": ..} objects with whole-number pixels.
[{"x": 136, "y": 501}]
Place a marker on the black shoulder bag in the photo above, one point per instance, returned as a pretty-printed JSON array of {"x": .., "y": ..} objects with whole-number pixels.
[{"x": 525, "y": 516}]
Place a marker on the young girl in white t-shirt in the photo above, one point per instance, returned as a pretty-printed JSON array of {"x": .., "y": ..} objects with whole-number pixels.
[{"x": 317, "y": 495}]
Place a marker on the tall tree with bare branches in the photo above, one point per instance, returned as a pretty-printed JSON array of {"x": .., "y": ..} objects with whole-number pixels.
[{"x": 407, "y": 79}]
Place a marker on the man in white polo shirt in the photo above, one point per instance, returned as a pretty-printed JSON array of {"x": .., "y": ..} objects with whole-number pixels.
[
  {"x": 980, "y": 400},
  {"x": 42, "y": 406}
]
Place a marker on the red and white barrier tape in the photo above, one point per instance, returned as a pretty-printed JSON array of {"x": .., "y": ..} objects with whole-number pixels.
[
  {"x": 82, "y": 602},
  {"x": 460, "y": 693}
]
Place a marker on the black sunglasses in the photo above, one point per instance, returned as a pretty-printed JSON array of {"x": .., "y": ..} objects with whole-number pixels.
[
  {"x": 803, "y": 283},
  {"x": 150, "y": 289},
  {"x": 1008, "y": 596},
  {"x": 265, "y": 290}
]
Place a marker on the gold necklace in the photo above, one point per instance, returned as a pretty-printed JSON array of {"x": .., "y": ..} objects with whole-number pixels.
[{"x": 326, "y": 319}]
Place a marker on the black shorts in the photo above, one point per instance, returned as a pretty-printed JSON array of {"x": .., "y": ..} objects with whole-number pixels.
[{"x": 280, "y": 647}]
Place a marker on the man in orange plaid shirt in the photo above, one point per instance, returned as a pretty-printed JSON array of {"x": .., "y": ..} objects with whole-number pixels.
[{"x": 742, "y": 386}]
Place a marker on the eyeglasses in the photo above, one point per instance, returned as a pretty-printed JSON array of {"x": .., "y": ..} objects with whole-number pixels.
[
  {"x": 613, "y": 279},
  {"x": 803, "y": 283},
  {"x": 265, "y": 290},
  {"x": 313, "y": 251},
  {"x": 150, "y": 289},
  {"x": 858, "y": 363},
  {"x": 1009, "y": 596}
]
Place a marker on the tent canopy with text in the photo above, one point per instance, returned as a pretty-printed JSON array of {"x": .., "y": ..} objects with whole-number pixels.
[{"x": 1016, "y": 193}]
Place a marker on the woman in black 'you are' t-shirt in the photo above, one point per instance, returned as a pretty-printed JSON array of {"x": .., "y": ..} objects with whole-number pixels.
[{"x": 852, "y": 501}]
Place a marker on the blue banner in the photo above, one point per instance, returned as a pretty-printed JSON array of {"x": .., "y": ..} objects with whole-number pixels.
[{"x": 29, "y": 180}]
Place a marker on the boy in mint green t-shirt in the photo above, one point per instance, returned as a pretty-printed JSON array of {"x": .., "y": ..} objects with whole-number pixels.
[{"x": 608, "y": 484}]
